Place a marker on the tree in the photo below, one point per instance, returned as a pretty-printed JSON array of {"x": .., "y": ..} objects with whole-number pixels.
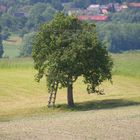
[
  {"x": 57, "y": 4},
  {"x": 67, "y": 48},
  {"x": 120, "y": 37},
  {"x": 81, "y": 4},
  {"x": 1, "y": 46},
  {"x": 36, "y": 17},
  {"x": 48, "y": 13},
  {"x": 26, "y": 48}
]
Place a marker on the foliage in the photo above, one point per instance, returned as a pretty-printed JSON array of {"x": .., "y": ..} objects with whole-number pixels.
[
  {"x": 29, "y": 20},
  {"x": 38, "y": 12},
  {"x": 122, "y": 31},
  {"x": 26, "y": 48},
  {"x": 7, "y": 21},
  {"x": 126, "y": 16},
  {"x": 1, "y": 46},
  {"x": 120, "y": 37},
  {"x": 83, "y": 4},
  {"x": 5, "y": 35},
  {"x": 67, "y": 48}
]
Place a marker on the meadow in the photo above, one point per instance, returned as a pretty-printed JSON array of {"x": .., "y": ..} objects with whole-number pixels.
[
  {"x": 21, "y": 96},
  {"x": 23, "y": 102}
]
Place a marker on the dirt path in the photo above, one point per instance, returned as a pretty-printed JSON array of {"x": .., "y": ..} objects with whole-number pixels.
[{"x": 110, "y": 124}]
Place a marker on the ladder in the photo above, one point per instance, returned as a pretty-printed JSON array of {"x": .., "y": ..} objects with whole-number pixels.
[{"x": 51, "y": 102}]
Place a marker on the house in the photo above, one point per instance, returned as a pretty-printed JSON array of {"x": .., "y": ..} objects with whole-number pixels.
[
  {"x": 93, "y": 6},
  {"x": 93, "y": 18},
  {"x": 82, "y": 18},
  {"x": 94, "y": 9},
  {"x": 117, "y": 7},
  {"x": 3, "y": 8},
  {"x": 124, "y": 6},
  {"x": 104, "y": 11},
  {"x": 133, "y": 4},
  {"x": 114, "y": 7},
  {"x": 75, "y": 11},
  {"x": 20, "y": 14}
]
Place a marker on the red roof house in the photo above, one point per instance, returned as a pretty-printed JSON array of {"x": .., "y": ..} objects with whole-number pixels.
[
  {"x": 133, "y": 4},
  {"x": 93, "y": 18},
  {"x": 3, "y": 8}
]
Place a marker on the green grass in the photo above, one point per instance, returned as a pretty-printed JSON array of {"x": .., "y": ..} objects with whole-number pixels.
[
  {"x": 12, "y": 46},
  {"x": 21, "y": 96},
  {"x": 127, "y": 64},
  {"x": 20, "y": 63},
  {"x": 10, "y": 52}
]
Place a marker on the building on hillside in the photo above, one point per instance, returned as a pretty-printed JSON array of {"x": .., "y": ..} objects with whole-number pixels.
[
  {"x": 93, "y": 6},
  {"x": 93, "y": 9},
  {"x": 20, "y": 14},
  {"x": 93, "y": 18},
  {"x": 3, "y": 8},
  {"x": 117, "y": 7},
  {"x": 123, "y": 7},
  {"x": 133, "y": 4},
  {"x": 75, "y": 11},
  {"x": 104, "y": 9}
]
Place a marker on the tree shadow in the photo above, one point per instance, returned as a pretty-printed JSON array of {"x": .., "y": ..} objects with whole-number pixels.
[{"x": 98, "y": 104}]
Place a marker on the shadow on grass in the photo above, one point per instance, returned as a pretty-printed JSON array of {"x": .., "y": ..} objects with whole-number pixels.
[
  {"x": 97, "y": 104},
  {"x": 82, "y": 106}
]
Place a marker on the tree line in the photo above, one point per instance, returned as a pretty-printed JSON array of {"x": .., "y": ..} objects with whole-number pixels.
[
  {"x": 120, "y": 37},
  {"x": 42, "y": 11},
  {"x": 1, "y": 46},
  {"x": 117, "y": 37},
  {"x": 36, "y": 12}
]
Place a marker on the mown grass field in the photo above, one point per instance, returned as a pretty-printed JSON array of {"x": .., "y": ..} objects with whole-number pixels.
[
  {"x": 23, "y": 103},
  {"x": 21, "y": 96}
]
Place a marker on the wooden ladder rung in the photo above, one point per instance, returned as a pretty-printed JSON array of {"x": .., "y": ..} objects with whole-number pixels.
[{"x": 53, "y": 95}]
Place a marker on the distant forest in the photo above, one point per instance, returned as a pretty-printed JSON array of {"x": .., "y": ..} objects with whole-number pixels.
[
  {"x": 9, "y": 2},
  {"x": 24, "y": 17},
  {"x": 58, "y": 4}
]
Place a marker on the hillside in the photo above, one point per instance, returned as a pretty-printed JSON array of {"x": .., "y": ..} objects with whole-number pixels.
[
  {"x": 24, "y": 112},
  {"x": 21, "y": 96},
  {"x": 24, "y": 17}
]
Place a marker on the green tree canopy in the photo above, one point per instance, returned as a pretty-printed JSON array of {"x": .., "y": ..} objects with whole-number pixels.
[
  {"x": 67, "y": 48},
  {"x": 26, "y": 48},
  {"x": 120, "y": 37},
  {"x": 1, "y": 46}
]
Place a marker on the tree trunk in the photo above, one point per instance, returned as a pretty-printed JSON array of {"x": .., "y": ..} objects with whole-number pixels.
[{"x": 70, "y": 94}]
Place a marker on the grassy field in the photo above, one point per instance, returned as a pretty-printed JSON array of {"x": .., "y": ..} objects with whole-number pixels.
[
  {"x": 127, "y": 64},
  {"x": 12, "y": 46},
  {"x": 21, "y": 96},
  {"x": 23, "y": 103}
]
